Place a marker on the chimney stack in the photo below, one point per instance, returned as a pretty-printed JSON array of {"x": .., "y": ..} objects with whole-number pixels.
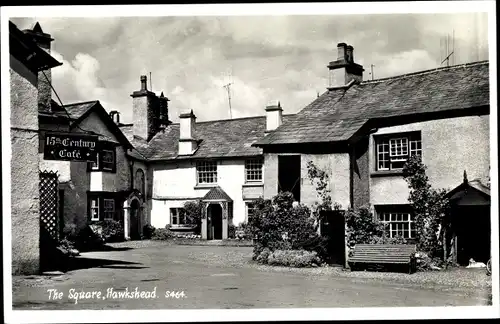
[
  {"x": 115, "y": 116},
  {"x": 163, "y": 112},
  {"x": 274, "y": 115},
  {"x": 187, "y": 142},
  {"x": 145, "y": 107},
  {"x": 350, "y": 54},
  {"x": 343, "y": 72},
  {"x": 43, "y": 40}
]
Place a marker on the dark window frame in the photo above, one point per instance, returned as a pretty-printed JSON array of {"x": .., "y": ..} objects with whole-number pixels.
[
  {"x": 100, "y": 197},
  {"x": 179, "y": 212},
  {"x": 249, "y": 206},
  {"x": 102, "y": 164}
]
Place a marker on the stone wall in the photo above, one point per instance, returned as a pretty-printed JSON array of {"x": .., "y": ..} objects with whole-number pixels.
[{"x": 25, "y": 215}]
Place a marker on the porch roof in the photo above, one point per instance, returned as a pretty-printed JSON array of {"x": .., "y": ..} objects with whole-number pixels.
[
  {"x": 470, "y": 193},
  {"x": 217, "y": 194}
]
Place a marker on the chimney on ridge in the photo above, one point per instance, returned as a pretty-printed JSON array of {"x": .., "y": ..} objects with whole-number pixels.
[
  {"x": 115, "y": 116},
  {"x": 43, "y": 40},
  {"x": 163, "y": 112},
  {"x": 187, "y": 124},
  {"x": 146, "y": 106},
  {"x": 343, "y": 71},
  {"x": 274, "y": 115}
]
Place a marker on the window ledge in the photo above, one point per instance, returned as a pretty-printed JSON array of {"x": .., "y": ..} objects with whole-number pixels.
[
  {"x": 182, "y": 227},
  {"x": 389, "y": 173},
  {"x": 253, "y": 184},
  {"x": 205, "y": 186}
]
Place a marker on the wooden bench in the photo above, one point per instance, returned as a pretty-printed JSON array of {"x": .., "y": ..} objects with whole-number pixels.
[{"x": 383, "y": 255}]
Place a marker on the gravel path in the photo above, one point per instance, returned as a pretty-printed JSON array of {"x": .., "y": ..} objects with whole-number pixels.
[{"x": 242, "y": 257}]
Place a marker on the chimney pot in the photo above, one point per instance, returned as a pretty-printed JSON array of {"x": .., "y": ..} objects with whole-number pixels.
[
  {"x": 274, "y": 115},
  {"x": 144, "y": 80},
  {"x": 350, "y": 54},
  {"x": 341, "y": 48}
]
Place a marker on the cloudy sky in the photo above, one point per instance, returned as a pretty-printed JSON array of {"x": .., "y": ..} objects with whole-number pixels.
[{"x": 265, "y": 57}]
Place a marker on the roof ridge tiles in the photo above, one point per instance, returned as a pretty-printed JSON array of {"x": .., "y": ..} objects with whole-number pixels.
[{"x": 423, "y": 72}]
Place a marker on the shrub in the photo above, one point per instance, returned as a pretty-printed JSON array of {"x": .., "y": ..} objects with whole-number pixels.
[
  {"x": 293, "y": 258},
  {"x": 263, "y": 256},
  {"x": 86, "y": 239},
  {"x": 112, "y": 231},
  {"x": 279, "y": 225},
  {"x": 70, "y": 232},
  {"x": 231, "y": 231},
  {"x": 246, "y": 231},
  {"x": 193, "y": 212},
  {"x": 388, "y": 240},
  {"x": 162, "y": 234},
  {"x": 362, "y": 228},
  {"x": 427, "y": 263},
  {"x": 148, "y": 231}
]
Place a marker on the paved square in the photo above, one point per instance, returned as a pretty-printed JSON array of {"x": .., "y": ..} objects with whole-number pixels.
[{"x": 201, "y": 277}]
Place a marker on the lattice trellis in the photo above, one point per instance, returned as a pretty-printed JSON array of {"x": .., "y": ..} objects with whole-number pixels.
[{"x": 49, "y": 203}]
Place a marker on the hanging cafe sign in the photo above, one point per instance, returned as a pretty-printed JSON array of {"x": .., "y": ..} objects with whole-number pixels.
[{"x": 70, "y": 147}]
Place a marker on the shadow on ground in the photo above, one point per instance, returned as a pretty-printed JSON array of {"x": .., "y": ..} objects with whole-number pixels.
[
  {"x": 78, "y": 263},
  {"x": 104, "y": 248}
]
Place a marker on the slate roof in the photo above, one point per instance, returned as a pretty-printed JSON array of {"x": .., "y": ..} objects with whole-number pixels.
[
  {"x": 478, "y": 185},
  {"x": 217, "y": 193},
  {"x": 218, "y": 139},
  {"x": 74, "y": 110},
  {"x": 338, "y": 114}
]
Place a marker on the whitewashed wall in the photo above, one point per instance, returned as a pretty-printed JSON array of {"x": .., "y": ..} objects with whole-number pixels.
[
  {"x": 449, "y": 146},
  {"x": 176, "y": 183}
]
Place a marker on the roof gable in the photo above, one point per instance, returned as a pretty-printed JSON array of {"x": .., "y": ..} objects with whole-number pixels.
[
  {"x": 338, "y": 114},
  {"x": 217, "y": 194},
  {"x": 79, "y": 112},
  {"x": 470, "y": 193}
]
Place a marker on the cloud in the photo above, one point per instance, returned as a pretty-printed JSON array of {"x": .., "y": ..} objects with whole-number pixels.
[{"x": 268, "y": 57}]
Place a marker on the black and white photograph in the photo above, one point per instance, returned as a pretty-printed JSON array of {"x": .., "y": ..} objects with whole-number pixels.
[{"x": 250, "y": 162}]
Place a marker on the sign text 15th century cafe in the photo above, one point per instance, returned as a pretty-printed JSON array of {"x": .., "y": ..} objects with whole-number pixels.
[{"x": 70, "y": 147}]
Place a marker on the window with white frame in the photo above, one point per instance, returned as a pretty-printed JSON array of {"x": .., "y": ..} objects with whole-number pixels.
[
  {"x": 398, "y": 223},
  {"x": 253, "y": 170},
  {"x": 177, "y": 216},
  {"x": 394, "y": 151},
  {"x": 250, "y": 210},
  {"x": 95, "y": 164},
  {"x": 94, "y": 209},
  {"x": 206, "y": 172},
  {"x": 108, "y": 208}
]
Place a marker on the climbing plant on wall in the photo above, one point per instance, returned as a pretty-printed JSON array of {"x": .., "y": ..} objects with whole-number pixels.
[{"x": 430, "y": 207}]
